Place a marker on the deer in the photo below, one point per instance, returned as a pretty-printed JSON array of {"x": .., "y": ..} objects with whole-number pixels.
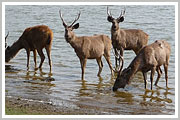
[
  {"x": 88, "y": 47},
  {"x": 125, "y": 39},
  {"x": 33, "y": 39},
  {"x": 150, "y": 58}
]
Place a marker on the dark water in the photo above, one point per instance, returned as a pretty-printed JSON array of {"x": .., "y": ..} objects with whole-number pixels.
[{"x": 63, "y": 85}]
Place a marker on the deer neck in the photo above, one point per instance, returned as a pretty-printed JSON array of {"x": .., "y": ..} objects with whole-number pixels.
[
  {"x": 134, "y": 68},
  {"x": 117, "y": 38},
  {"x": 115, "y": 33},
  {"x": 74, "y": 42},
  {"x": 14, "y": 49}
]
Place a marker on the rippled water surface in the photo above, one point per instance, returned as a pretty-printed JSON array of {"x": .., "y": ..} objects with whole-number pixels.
[{"x": 64, "y": 85}]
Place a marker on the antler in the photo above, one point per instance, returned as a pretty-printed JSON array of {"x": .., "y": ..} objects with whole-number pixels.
[
  {"x": 7, "y": 35},
  {"x": 62, "y": 18},
  {"x": 5, "y": 39},
  {"x": 122, "y": 12},
  {"x": 108, "y": 12},
  {"x": 122, "y": 62},
  {"x": 76, "y": 18},
  {"x": 122, "y": 59}
]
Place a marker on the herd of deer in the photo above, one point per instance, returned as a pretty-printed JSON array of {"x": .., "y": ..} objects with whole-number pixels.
[{"x": 148, "y": 57}]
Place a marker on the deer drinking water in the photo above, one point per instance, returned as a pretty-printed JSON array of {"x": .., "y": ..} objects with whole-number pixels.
[
  {"x": 125, "y": 39},
  {"x": 88, "y": 47},
  {"x": 33, "y": 39},
  {"x": 150, "y": 58}
]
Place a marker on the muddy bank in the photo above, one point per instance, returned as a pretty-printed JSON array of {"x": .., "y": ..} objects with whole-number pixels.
[{"x": 18, "y": 106}]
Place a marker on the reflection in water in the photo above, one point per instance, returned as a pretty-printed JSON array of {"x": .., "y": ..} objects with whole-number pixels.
[
  {"x": 41, "y": 78},
  {"x": 124, "y": 97},
  {"x": 33, "y": 85},
  {"x": 154, "y": 96},
  {"x": 10, "y": 68}
]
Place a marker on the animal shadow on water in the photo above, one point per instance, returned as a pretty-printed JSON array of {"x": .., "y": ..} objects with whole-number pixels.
[
  {"x": 10, "y": 68},
  {"x": 86, "y": 86},
  {"x": 39, "y": 77},
  {"x": 156, "y": 96},
  {"x": 102, "y": 86}
]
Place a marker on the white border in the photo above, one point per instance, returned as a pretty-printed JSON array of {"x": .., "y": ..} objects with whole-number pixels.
[
  {"x": 90, "y": 116},
  {"x": 89, "y": 3},
  {"x": 3, "y": 60}
]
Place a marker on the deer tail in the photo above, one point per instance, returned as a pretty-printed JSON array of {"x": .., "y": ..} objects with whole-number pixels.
[{"x": 49, "y": 39}]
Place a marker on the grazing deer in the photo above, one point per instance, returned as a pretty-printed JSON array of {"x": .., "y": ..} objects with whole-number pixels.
[
  {"x": 88, "y": 47},
  {"x": 150, "y": 58},
  {"x": 33, "y": 39},
  {"x": 125, "y": 39}
]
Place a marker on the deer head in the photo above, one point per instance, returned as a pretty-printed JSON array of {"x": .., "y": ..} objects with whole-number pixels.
[
  {"x": 122, "y": 79},
  {"x": 69, "y": 34},
  {"x": 115, "y": 22}
]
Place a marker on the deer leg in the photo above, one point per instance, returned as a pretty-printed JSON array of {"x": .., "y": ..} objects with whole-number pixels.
[
  {"x": 121, "y": 53},
  {"x": 158, "y": 69},
  {"x": 145, "y": 79},
  {"x": 28, "y": 54},
  {"x": 48, "y": 50},
  {"x": 107, "y": 57},
  {"x": 34, "y": 52},
  {"x": 152, "y": 75},
  {"x": 166, "y": 73},
  {"x": 99, "y": 61},
  {"x": 116, "y": 53},
  {"x": 83, "y": 65},
  {"x": 41, "y": 54}
]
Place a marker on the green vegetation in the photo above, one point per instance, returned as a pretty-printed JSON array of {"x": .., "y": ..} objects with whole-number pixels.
[{"x": 13, "y": 110}]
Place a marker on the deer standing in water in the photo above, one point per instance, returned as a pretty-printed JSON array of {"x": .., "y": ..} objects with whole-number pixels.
[
  {"x": 125, "y": 39},
  {"x": 33, "y": 39},
  {"x": 88, "y": 47},
  {"x": 150, "y": 58}
]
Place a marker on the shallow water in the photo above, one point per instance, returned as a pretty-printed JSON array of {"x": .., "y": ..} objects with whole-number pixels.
[{"x": 63, "y": 84}]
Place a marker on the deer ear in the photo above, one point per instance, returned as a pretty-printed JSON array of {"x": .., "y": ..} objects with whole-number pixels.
[
  {"x": 8, "y": 48},
  {"x": 110, "y": 18},
  {"x": 76, "y": 26},
  {"x": 121, "y": 19}
]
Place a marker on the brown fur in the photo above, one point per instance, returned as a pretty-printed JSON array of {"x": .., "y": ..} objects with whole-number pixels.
[
  {"x": 150, "y": 58},
  {"x": 33, "y": 39},
  {"x": 88, "y": 47}
]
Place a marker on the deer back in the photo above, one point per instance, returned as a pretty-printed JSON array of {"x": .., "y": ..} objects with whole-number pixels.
[
  {"x": 157, "y": 53},
  {"x": 37, "y": 37},
  {"x": 91, "y": 47},
  {"x": 129, "y": 39}
]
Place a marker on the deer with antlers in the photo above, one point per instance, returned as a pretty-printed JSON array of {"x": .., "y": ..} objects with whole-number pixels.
[
  {"x": 125, "y": 39},
  {"x": 33, "y": 39},
  {"x": 88, "y": 47},
  {"x": 150, "y": 58}
]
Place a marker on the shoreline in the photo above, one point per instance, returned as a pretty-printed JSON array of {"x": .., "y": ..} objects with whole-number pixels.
[{"x": 18, "y": 106}]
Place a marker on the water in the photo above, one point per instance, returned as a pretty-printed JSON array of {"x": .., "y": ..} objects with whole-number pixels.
[{"x": 64, "y": 85}]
